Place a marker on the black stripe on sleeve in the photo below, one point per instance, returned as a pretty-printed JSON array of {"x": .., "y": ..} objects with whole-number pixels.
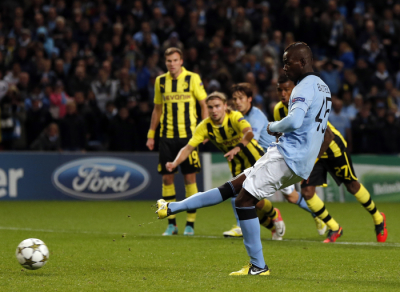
[{"x": 175, "y": 119}]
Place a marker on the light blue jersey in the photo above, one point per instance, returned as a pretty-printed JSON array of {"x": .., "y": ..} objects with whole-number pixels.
[
  {"x": 259, "y": 123},
  {"x": 300, "y": 148}
]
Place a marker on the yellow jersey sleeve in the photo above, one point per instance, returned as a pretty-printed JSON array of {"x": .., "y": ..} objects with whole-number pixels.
[
  {"x": 198, "y": 88},
  {"x": 277, "y": 116},
  {"x": 199, "y": 135},
  {"x": 157, "y": 93},
  {"x": 239, "y": 122}
]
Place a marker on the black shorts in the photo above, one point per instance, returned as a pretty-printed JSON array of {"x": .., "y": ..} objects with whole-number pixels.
[
  {"x": 169, "y": 149},
  {"x": 340, "y": 168}
]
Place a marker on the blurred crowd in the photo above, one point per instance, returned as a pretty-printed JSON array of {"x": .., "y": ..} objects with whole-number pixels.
[{"x": 79, "y": 75}]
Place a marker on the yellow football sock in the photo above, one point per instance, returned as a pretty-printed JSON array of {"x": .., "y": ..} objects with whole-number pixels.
[
  {"x": 318, "y": 208},
  {"x": 190, "y": 191},
  {"x": 364, "y": 198},
  {"x": 269, "y": 210},
  {"x": 265, "y": 220},
  {"x": 168, "y": 194}
]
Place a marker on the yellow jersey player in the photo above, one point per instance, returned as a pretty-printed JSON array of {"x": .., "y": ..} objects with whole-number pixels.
[
  {"x": 176, "y": 93},
  {"x": 228, "y": 131},
  {"x": 333, "y": 158}
]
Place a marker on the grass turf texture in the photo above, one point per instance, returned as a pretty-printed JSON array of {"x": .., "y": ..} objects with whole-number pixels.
[{"x": 96, "y": 246}]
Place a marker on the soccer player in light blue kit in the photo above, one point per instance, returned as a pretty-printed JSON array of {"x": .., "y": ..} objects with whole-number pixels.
[
  {"x": 269, "y": 216},
  {"x": 289, "y": 161}
]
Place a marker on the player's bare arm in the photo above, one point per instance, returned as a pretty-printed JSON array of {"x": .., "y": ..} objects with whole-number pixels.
[
  {"x": 155, "y": 120},
  {"x": 328, "y": 138},
  {"x": 204, "y": 110},
  {"x": 247, "y": 136},
  {"x": 181, "y": 157}
]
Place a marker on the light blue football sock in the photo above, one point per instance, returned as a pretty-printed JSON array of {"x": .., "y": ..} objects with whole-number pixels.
[
  {"x": 251, "y": 235},
  {"x": 234, "y": 210},
  {"x": 303, "y": 204},
  {"x": 197, "y": 201}
]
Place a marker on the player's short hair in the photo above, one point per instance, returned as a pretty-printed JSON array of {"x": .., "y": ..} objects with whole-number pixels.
[
  {"x": 242, "y": 87},
  {"x": 173, "y": 50},
  {"x": 301, "y": 44},
  {"x": 283, "y": 79},
  {"x": 217, "y": 95},
  {"x": 294, "y": 44}
]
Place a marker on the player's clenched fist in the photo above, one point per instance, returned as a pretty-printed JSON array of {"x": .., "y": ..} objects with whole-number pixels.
[
  {"x": 170, "y": 166},
  {"x": 277, "y": 135},
  {"x": 150, "y": 144}
]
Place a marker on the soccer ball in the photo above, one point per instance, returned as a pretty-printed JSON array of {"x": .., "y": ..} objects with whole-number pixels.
[{"x": 32, "y": 253}]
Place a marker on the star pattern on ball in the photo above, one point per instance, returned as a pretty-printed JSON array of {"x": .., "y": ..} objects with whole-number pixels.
[
  {"x": 35, "y": 246},
  {"x": 29, "y": 262},
  {"x": 44, "y": 259},
  {"x": 20, "y": 250}
]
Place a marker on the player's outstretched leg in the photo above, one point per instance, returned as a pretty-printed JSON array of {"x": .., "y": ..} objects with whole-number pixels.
[
  {"x": 245, "y": 207},
  {"x": 202, "y": 199},
  {"x": 318, "y": 208},
  {"x": 363, "y": 196}
]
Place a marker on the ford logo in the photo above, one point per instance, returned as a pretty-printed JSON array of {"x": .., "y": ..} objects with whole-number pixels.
[{"x": 100, "y": 178}]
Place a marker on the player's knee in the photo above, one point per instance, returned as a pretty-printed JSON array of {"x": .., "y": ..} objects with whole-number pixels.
[
  {"x": 237, "y": 182},
  {"x": 260, "y": 205},
  {"x": 189, "y": 178},
  {"x": 227, "y": 191},
  {"x": 307, "y": 194},
  {"x": 245, "y": 199},
  {"x": 168, "y": 179},
  {"x": 292, "y": 198},
  {"x": 353, "y": 187}
]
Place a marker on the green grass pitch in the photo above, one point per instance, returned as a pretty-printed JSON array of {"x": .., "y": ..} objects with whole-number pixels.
[{"x": 117, "y": 246}]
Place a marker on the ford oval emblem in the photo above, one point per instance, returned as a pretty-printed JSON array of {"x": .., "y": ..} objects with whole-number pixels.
[{"x": 100, "y": 178}]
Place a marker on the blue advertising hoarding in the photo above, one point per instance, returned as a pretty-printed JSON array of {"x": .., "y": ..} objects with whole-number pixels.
[{"x": 69, "y": 176}]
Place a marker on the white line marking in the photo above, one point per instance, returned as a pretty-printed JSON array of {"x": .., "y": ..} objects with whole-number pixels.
[{"x": 393, "y": 244}]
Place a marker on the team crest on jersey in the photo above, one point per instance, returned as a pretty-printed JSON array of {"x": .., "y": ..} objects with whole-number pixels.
[
  {"x": 302, "y": 99},
  {"x": 201, "y": 84},
  {"x": 185, "y": 85},
  {"x": 231, "y": 131}
]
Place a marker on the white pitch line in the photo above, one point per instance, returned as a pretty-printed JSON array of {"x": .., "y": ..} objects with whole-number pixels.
[{"x": 195, "y": 236}]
